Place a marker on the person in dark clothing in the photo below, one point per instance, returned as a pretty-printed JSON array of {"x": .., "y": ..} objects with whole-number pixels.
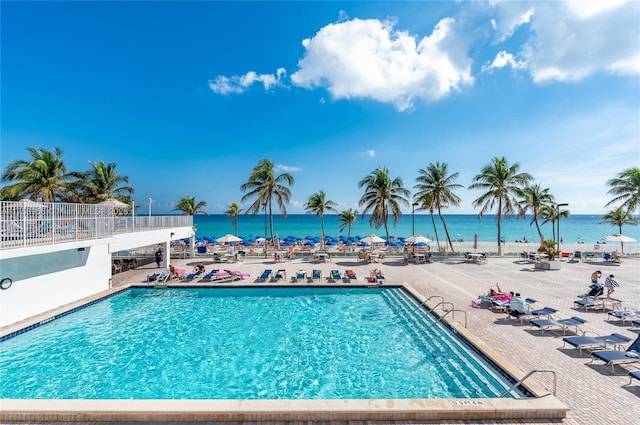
[{"x": 158, "y": 255}]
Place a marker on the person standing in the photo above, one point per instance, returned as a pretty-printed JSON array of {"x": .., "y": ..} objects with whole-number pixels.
[
  {"x": 158, "y": 255},
  {"x": 610, "y": 284}
]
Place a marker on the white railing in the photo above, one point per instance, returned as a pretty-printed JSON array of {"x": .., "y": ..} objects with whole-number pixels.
[{"x": 26, "y": 223}]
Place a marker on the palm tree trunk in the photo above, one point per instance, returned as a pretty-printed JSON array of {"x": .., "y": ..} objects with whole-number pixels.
[
  {"x": 435, "y": 230},
  {"x": 535, "y": 220},
  {"x": 322, "y": 235},
  {"x": 499, "y": 219},
  {"x": 446, "y": 231}
]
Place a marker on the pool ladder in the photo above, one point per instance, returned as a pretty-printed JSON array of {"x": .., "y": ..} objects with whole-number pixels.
[
  {"x": 452, "y": 310},
  {"x": 525, "y": 377}
]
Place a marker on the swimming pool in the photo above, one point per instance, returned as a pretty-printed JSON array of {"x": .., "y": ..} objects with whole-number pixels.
[
  {"x": 246, "y": 343},
  {"x": 251, "y": 353}
]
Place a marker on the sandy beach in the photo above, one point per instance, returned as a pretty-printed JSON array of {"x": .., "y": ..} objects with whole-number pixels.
[{"x": 594, "y": 394}]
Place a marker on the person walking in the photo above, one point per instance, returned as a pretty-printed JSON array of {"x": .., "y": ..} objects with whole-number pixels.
[
  {"x": 158, "y": 255},
  {"x": 610, "y": 284}
]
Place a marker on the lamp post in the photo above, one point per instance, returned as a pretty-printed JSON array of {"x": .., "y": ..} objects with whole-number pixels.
[
  {"x": 413, "y": 218},
  {"x": 558, "y": 215},
  {"x": 150, "y": 201},
  {"x": 264, "y": 206}
]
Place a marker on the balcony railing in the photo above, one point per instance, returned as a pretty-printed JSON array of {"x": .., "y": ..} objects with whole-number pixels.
[{"x": 26, "y": 223}]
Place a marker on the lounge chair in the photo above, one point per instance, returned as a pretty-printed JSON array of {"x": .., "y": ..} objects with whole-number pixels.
[
  {"x": 533, "y": 314},
  {"x": 564, "y": 324},
  {"x": 316, "y": 275},
  {"x": 595, "y": 342},
  {"x": 635, "y": 323},
  {"x": 193, "y": 276},
  {"x": 209, "y": 276},
  {"x": 163, "y": 276},
  {"x": 634, "y": 374},
  {"x": 266, "y": 275},
  {"x": 281, "y": 274},
  {"x": 334, "y": 276},
  {"x": 614, "y": 357},
  {"x": 349, "y": 275},
  {"x": 623, "y": 316},
  {"x": 577, "y": 256},
  {"x": 301, "y": 276},
  {"x": 238, "y": 275},
  {"x": 596, "y": 303}
]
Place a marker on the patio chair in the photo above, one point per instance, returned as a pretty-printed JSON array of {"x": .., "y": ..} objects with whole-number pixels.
[
  {"x": 209, "y": 276},
  {"x": 626, "y": 315},
  {"x": 349, "y": 275},
  {"x": 564, "y": 324},
  {"x": 316, "y": 275},
  {"x": 614, "y": 357},
  {"x": 281, "y": 274},
  {"x": 533, "y": 314},
  {"x": 334, "y": 276},
  {"x": 266, "y": 275},
  {"x": 577, "y": 256},
  {"x": 595, "y": 342},
  {"x": 300, "y": 276},
  {"x": 634, "y": 374}
]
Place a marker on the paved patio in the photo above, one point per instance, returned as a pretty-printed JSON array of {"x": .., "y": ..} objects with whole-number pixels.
[{"x": 594, "y": 394}]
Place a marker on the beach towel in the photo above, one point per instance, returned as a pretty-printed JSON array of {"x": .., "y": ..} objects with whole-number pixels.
[
  {"x": 474, "y": 304},
  {"x": 609, "y": 283}
]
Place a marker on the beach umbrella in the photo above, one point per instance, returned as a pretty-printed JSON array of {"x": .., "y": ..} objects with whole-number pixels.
[
  {"x": 371, "y": 239},
  {"x": 415, "y": 239},
  {"x": 228, "y": 238},
  {"x": 617, "y": 237},
  {"x": 112, "y": 202}
]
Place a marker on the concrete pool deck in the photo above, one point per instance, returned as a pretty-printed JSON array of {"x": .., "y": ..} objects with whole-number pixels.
[{"x": 592, "y": 392}]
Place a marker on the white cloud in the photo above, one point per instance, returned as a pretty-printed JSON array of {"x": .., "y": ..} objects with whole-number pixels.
[
  {"x": 240, "y": 83},
  {"x": 370, "y": 153},
  {"x": 287, "y": 168},
  {"x": 369, "y": 59},
  {"x": 573, "y": 40},
  {"x": 502, "y": 60}
]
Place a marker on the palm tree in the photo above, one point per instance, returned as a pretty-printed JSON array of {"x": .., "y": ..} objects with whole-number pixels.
[
  {"x": 618, "y": 217},
  {"x": 383, "y": 195},
  {"x": 549, "y": 214},
  {"x": 263, "y": 186},
  {"x": 317, "y": 204},
  {"x": 101, "y": 182},
  {"x": 189, "y": 206},
  {"x": 435, "y": 190},
  {"x": 535, "y": 198},
  {"x": 44, "y": 177},
  {"x": 626, "y": 188},
  {"x": 501, "y": 182},
  {"x": 348, "y": 218},
  {"x": 233, "y": 211}
]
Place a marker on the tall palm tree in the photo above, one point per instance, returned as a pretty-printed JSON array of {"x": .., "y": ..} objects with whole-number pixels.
[
  {"x": 435, "y": 190},
  {"x": 501, "y": 182},
  {"x": 264, "y": 186},
  {"x": 534, "y": 198},
  {"x": 619, "y": 217},
  {"x": 233, "y": 211},
  {"x": 549, "y": 214},
  {"x": 101, "y": 182},
  {"x": 383, "y": 195},
  {"x": 317, "y": 204},
  {"x": 348, "y": 218},
  {"x": 189, "y": 206},
  {"x": 44, "y": 177},
  {"x": 626, "y": 188}
]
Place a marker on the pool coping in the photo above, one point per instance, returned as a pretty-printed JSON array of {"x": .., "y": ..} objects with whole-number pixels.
[{"x": 542, "y": 406}]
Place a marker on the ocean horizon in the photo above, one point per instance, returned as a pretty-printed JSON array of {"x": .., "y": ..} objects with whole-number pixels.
[{"x": 579, "y": 228}]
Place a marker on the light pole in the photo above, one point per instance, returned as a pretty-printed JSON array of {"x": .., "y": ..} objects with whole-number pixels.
[
  {"x": 150, "y": 201},
  {"x": 558, "y": 216},
  {"x": 413, "y": 218},
  {"x": 264, "y": 205}
]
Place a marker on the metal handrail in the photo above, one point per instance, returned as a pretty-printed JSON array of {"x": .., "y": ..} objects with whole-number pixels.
[
  {"x": 517, "y": 384},
  {"x": 441, "y": 303},
  {"x": 425, "y": 301}
]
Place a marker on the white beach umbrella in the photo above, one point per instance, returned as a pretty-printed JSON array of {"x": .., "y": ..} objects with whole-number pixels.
[
  {"x": 417, "y": 239},
  {"x": 617, "y": 237},
  {"x": 228, "y": 238},
  {"x": 112, "y": 202},
  {"x": 371, "y": 239}
]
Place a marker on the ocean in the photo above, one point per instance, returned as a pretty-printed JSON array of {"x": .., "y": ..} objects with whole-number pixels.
[{"x": 462, "y": 227}]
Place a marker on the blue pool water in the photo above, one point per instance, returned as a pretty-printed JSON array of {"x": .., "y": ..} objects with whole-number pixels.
[{"x": 246, "y": 343}]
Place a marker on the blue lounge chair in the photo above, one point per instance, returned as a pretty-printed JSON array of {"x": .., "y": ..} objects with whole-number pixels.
[
  {"x": 209, "y": 276},
  {"x": 635, "y": 323},
  {"x": 614, "y": 357},
  {"x": 193, "y": 276},
  {"x": 281, "y": 274},
  {"x": 334, "y": 276},
  {"x": 595, "y": 342},
  {"x": 301, "y": 276},
  {"x": 623, "y": 316},
  {"x": 564, "y": 324},
  {"x": 349, "y": 275},
  {"x": 634, "y": 374},
  {"x": 266, "y": 275},
  {"x": 596, "y": 303},
  {"x": 316, "y": 275},
  {"x": 533, "y": 314}
]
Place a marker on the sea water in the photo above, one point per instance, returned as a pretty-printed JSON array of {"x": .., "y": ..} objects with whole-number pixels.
[{"x": 587, "y": 229}]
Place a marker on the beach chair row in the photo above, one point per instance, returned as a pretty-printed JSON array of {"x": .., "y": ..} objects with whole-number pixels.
[{"x": 301, "y": 276}]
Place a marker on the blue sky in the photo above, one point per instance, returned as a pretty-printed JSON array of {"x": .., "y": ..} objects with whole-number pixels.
[{"x": 186, "y": 98}]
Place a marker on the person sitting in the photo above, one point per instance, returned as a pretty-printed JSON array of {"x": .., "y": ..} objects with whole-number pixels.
[
  {"x": 172, "y": 271},
  {"x": 518, "y": 304},
  {"x": 595, "y": 276}
]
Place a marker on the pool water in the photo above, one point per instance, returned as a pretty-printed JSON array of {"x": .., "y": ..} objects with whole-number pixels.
[{"x": 246, "y": 343}]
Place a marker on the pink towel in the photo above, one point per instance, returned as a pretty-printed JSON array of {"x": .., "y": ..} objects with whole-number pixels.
[{"x": 474, "y": 304}]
